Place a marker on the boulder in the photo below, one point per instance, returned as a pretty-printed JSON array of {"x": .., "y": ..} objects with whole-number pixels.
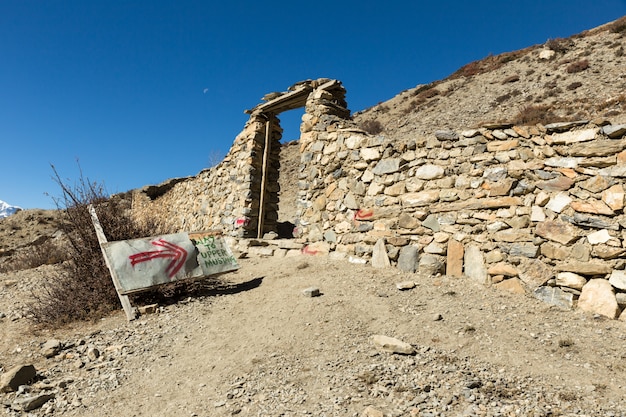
[
  {"x": 16, "y": 376},
  {"x": 597, "y": 297}
]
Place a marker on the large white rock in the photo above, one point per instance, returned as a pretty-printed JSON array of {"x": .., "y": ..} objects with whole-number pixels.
[
  {"x": 392, "y": 345},
  {"x": 429, "y": 172},
  {"x": 380, "y": 259},
  {"x": 422, "y": 198},
  {"x": 600, "y": 236},
  {"x": 559, "y": 202},
  {"x": 573, "y": 136},
  {"x": 537, "y": 214},
  {"x": 570, "y": 280},
  {"x": 597, "y": 297},
  {"x": 370, "y": 154}
]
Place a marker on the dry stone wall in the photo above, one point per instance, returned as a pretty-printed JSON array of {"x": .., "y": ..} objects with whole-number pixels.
[
  {"x": 225, "y": 197},
  {"x": 529, "y": 209}
]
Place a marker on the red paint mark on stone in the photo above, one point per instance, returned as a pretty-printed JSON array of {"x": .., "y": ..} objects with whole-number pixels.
[
  {"x": 242, "y": 222},
  {"x": 364, "y": 214},
  {"x": 308, "y": 251}
]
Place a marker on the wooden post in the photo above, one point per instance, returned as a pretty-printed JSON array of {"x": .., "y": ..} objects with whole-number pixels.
[
  {"x": 131, "y": 312},
  {"x": 266, "y": 151}
]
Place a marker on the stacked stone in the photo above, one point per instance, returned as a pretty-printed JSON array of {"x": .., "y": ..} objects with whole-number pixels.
[
  {"x": 536, "y": 208},
  {"x": 225, "y": 197}
]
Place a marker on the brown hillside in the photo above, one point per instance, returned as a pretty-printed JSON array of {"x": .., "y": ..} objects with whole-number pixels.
[{"x": 582, "y": 77}]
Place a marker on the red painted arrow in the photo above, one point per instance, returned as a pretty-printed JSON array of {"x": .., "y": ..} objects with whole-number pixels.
[{"x": 178, "y": 255}]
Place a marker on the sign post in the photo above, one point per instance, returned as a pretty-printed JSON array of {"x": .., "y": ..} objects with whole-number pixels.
[
  {"x": 140, "y": 264},
  {"x": 131, "y": 312}
]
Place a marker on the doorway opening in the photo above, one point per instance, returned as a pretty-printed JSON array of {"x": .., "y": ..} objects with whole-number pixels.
[
  {"x": 275, "y": 160},
  {"x": 288, "y": 175}
]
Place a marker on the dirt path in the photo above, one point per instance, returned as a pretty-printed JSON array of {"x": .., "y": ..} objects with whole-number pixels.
[{"x": 259, "y": 347}]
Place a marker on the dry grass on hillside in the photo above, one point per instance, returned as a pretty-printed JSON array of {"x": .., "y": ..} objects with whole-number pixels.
[{"x": 582, "y": 78}]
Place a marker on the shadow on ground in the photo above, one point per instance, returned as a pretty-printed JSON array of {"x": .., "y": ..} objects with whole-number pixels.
[{"x": 182, "y": 290}]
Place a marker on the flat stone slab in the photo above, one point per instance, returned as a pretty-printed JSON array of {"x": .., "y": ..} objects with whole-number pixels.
[
  {"x": 574, "y": 136},
  {"x": 513, "y": 285},
  {"x": 405, "y": 285},
  {"x": 32, "y": 402},
  {"x": 614, "y": 131},
  {"x": 557, "y": 231},
  {"x": 392, "y": 345},
  {"x": 311, "y": 292},
  {"x": 618, "y": 279},
  {"x": 479, "y": 204},
  {"x": 555, "y": 296},
  {"x": 571, "y": 280},
  {"x": 474, "y": 264},
  {"x": 584, "y": 268}
]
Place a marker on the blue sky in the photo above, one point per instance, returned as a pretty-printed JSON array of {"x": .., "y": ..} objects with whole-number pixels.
[{"x": 141, "y": 91}]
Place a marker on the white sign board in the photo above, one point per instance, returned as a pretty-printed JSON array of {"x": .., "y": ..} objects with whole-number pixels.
[{"x": 143, "y": 263}]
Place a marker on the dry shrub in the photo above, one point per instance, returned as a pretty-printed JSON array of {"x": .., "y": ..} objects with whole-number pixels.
[
  {"x": 618, "y": 26},
  {"x": 430, "y": 93},
  {"x": 613, "y": 102},
  {"x": 46, "y": 253},
  {"x": 468, "y": 70},
  {"x": 501, "y": 99},
  {"x": 574, "y": 85},
  {"x": 577, "y": 66},
  {"x": 560, "y": 45},
  {"x": 423, "y": 94},
  {"x": 531, "y": 115},
  {"x": 373, "y": 127},
  {"x": 419, "y": 90},
  {"x": 412, "y": 106},
  {"x": 82, "y": 289},
  {"x": 511, "y": 79},
  {"x": 382, "y": 108},
  {"x": 488, "y": 64}
]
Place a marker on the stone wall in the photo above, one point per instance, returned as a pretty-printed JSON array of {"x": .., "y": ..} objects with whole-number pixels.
[
  {"x": 225, "y": 197},
  {"x": 536, "y": 209}
]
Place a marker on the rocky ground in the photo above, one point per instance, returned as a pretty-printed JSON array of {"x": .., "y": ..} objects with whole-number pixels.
[{"x": 257, "y": 345}]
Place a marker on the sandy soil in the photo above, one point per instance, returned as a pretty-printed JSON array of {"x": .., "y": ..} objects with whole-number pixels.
[{"x": 256, "y": 345}]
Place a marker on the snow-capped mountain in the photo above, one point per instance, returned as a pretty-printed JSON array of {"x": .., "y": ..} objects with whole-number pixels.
[{"x": 7, "y": 209}]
